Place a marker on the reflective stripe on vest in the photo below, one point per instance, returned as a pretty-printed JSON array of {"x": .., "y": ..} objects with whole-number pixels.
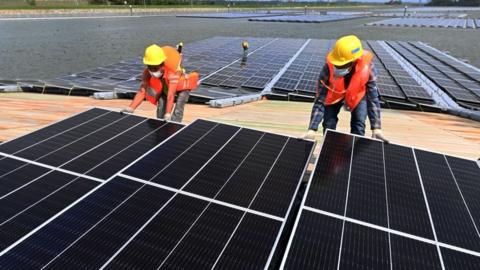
[{"x": 357, "y": 87}]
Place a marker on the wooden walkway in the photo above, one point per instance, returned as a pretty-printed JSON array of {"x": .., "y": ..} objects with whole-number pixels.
[{"x": 24, "y": 112}]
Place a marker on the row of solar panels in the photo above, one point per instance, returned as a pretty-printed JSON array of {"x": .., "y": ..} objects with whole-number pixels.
[
  {"x": 429, "y": 22},
  {"x": 418, "y": 14},
  {"x": 102, "y": 190},
  {"x": 288, "y": 69},
  {"x": 232, "y": 15},
  {"x": 462, "y": 87},
  {"x": 306, "y": 18}
]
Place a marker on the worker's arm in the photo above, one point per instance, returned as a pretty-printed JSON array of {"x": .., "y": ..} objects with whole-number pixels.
[
  {"x": 373, "y": 106},
  {"x": 172, "y": 88},
  {"x": 318, "y": 109},
  {"x": 140, "y": 96},
  {"x": 373, "y": 100}
]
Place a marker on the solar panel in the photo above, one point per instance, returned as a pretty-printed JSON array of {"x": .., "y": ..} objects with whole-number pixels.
[
  {"x": 233, "y": 15},
  {"x": 307, "y": 18},
  {"x": 441, "y": 76},
  {"x": 211, "y": 195},
  {"x": 372, "y": 205},
  {"x": 401, "y": 84},
  {"x": 426, "y": 22}
]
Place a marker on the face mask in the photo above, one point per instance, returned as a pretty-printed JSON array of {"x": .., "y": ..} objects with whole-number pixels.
[
  {"x": 156, "y": 74},
  {"x": 340, "y": 72}
]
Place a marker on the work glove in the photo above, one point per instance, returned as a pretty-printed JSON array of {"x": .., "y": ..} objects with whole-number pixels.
[
  {"x": 126, "y": 110},
  {"x": 310, "y": 135},
  {"x": 167, "y": 117},
  {"x": 377, "y": 134}
]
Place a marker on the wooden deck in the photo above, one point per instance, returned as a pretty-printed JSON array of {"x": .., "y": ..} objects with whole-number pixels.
[{"x": 24, "y": 112}]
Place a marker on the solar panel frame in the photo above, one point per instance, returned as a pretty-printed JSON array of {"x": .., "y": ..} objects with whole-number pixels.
[{"x": 68, "y": 256}]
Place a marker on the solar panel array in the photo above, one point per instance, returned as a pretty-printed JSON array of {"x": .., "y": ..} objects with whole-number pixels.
[
  {"x": 205, "y": 56},
  {"x": 207, "y": 195},
  {"x": 302, "y": 75},
  {"x": 468, "y": 70},
  {"x": 286, "y": 69},
  {"x": 399, "y": 84},
  {"x": 103, "y": 190},
  {"x": 260, "y": 68},
  {"x": 429, "y": 22},
  {"x": 307, "y": 18},
  {"x": 370, "y": 205},
  {"x": 409, "y": 14},
  {"x": 233, "y": 15},
  {"x": 453, "y": 82}
]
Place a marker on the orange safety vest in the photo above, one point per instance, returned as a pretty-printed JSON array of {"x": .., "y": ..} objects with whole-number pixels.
[
  {"x": 357, "y": 87},
  {"x": 154, "y": 86}
]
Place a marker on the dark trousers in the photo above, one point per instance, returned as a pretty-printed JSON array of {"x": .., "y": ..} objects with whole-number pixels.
[
  {"x": 357, "y": 120},
  {"x": 177, "y": 114}
]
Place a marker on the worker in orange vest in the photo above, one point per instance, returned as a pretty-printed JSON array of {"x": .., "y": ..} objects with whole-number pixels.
[
  {"x": 348, "y": 78},
  {"x": 164, "y": 79}
]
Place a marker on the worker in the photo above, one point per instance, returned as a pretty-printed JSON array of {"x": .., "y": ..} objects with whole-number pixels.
[
  {"x": 163, "y": 79},
  {"x": 348, "y": 78}
]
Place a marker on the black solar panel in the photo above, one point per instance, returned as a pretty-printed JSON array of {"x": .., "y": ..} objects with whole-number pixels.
[
  {"x": 371, "y": 205},
  {"x": 401, "y": 83},
  {"x": 211, "y": 195},
  {"x": 444, "y": 76}
]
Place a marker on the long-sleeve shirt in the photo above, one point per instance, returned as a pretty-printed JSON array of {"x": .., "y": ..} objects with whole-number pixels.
[
  {"x": 170, "y": 79},
  {"x": 372, "y": 98}
]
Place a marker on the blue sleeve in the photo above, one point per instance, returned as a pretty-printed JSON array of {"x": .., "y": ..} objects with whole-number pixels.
[
  {"x": 373, "y": 100},
  {"x": 318, "y": 109}
]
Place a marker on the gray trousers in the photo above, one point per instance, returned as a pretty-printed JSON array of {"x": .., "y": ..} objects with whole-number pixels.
[{"x": 177, "y": 114}]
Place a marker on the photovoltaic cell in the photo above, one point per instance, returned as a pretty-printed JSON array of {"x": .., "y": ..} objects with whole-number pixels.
[
  {"x": 102, "y": 240},
  {"x": 176, "y": 174},
  {"x": 458, "y": 260},
  {"x": 466, "y": 174},
  {"x": 169, "y": 152},
  {"x": 242, "y": 187},
  {"x": 410, "y": 254},
  {"x": 37, "y": 250},
  {"x": 366, "y": 195},
  {"x": 122, "y": 149},
  {"x": 28, "y": 140},
  {"x": 19, "y": 176},
  {"x": 66, "y": 138},
  {"x": 406, "y": 205},
  {"x": 7, "y": 165},
  {"x": 373, "y": 245},
  {"x": 412, "y": 207},
  {"x": 207, "y": 237},
  {"x": 450, "y": 216},
  {"x": 317, "y": 243},
  {"x": 79, "y": 146},
  {"x": 94, "y": 223},
  {"x": 30, "y": 206},
  {"x": 277, "y": 190},
  {"x": 211, "y": 179},
  {"x": 250, "y": 245},
  {"x": 329, "y": 184}
]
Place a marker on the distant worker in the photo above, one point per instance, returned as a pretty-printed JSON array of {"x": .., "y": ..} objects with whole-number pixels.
[
  {"x": 348, "y": 78},
  {"x": 164, "y": 79}
]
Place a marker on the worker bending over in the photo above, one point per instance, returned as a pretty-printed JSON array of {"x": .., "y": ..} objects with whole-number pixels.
[
  {"x": 163, "y": 79},
  {"x": 348, "y": 78}
]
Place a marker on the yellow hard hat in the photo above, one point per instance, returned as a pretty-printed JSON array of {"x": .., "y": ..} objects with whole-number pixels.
[
  {"x": 154, "y": 55},
  {"x": 347, "y": 49}
]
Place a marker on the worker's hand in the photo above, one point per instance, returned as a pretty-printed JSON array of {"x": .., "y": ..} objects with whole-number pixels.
[
  {"x": 377, "y": 134},
  {"x": 167, "y": 117},
  {"x": 126, "y": 110},
  {"x": 310, "y": 135}
]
